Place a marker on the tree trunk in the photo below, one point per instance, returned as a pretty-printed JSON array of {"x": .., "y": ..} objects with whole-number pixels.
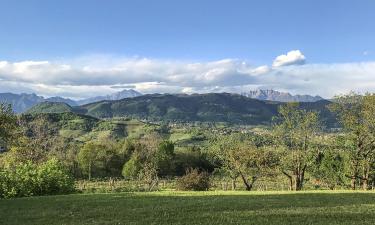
[
  {"x": 248, "y": 186},
  {"x": 300, "y": 178},
  {"x": 290, "y": 180},
  {"x": 365, "y": 177},
  {"x": 353, "y": 182},
  {"x": 90, "y": 171},
  {"x": 233, "y": 184}
]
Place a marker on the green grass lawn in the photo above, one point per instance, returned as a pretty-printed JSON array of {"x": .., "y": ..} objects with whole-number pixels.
[{"x": 193, "y": 208}]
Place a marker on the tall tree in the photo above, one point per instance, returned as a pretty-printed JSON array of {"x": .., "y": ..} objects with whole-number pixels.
[
  {"x": 295, "y": 131},
  {"x": 240, "y": 157},
  {"x": 8, "y": 125},
  {"x": 356, "y": 114},
  {"x": 88, "y": 156}
]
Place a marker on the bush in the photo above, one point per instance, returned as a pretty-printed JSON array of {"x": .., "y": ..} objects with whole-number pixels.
[
  {"x": 131, "y": 168},
  {"x": 28, "y": 179},
  {"x": 194, "y": 181}
]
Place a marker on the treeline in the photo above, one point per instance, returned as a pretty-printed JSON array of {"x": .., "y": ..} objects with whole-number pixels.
[{"x": 296, "y": 148}]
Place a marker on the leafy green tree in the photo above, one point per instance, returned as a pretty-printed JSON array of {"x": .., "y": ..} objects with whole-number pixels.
[
  {"x": 295, "y": 131},
  {"x": 8, "y": 125},
  {"x": 240, "y": 157},
  {"x": 356, "y": 115},
  {"x": 165, "y": 158},
  {"x": 330, "y": 167},
  {"x": 37, "y": 139},
  {"x": 88, "y": 155},
  {"x": 192, "y": 157},
  {"x": 131, "y": 168}
]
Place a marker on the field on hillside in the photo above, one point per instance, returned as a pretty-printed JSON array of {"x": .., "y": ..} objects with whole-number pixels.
[{"x": 193, "y": 208}]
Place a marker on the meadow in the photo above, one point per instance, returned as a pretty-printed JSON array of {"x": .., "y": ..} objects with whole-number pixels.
[{"x": 309, "y": 207}]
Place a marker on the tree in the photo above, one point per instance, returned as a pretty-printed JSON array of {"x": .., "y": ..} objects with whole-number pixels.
[
  {"x": 88, "y": 155},
  {"x": 330, "y": 165},
  {"x": 356, "y": 116},
  {"x": 8, "y": 125},
  {"x": 144, "y": 160},
  {"x": 37, "y": 139},
  {"x": 240, "y": 157},
  {"x": 164, "y": 157},
  {"x": 295, "y": 131},
  {"x": 131, "y": 168}
]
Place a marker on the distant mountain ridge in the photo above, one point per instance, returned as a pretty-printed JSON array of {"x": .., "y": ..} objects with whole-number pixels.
[
  {"x": 272, "y": 95},
  {"x": 115, "y": 96},
  {"x": 23, "y": 102},
  {"x": 211, "y": 107}
]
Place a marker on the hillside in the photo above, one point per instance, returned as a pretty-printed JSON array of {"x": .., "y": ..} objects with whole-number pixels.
[
  {"x": 82, "y": 127},
  {"x": 213, "y": 107},
  {"x": 50, "y": 107}
]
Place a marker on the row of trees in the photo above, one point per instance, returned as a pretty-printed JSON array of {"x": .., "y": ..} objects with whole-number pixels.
[{"x": 297, "y": 145}]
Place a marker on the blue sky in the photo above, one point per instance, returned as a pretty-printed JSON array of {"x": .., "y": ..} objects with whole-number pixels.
[{"x": 83, "y": 33}]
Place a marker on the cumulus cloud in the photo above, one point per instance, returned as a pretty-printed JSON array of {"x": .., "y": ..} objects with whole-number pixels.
[
  {"x": 81, "y": 78},
  {"x": 294, "y": 57}
]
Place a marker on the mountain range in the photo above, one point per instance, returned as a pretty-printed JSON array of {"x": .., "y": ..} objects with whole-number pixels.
[
  {"x": 273, "y": 95},
  {"x": 211, "y": 107},
  {"x": 23, "y": 102}
]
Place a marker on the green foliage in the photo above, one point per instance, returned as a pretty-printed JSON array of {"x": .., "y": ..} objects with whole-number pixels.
[
  {"x": 131, "y": 168},
  {"x": 165, "y": 158},
  {"x": 101, "y": 159},
  {"x": 212, "y": 107},
  {"x": 295, "y": 132},
  {"x": 50, "y": 107},
  {"x": 191, "y": 157},
  {"x": 8, "y": 125},
  {"x": 356, "y": 115},
  {"x": 239, "y": 156},
  {"x": 194, "y": 180},
  {"x": 330, "y": 168},
  {"x": 28, "y": 179}
]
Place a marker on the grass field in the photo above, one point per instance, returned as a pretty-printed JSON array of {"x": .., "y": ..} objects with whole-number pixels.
[{"x": 193, "y": 208}]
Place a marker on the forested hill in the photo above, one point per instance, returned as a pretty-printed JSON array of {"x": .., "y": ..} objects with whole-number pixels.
[{"x": 212, "y": 107}]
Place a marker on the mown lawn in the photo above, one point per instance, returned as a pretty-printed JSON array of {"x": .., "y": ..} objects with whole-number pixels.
[{"x": 193, "y": 208}]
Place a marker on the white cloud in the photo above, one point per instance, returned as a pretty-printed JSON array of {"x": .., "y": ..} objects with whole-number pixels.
[
  {"x": 261, "y": 70},
  {"x": 294, "y": 57},
  {"x": 80, "y": 78}
]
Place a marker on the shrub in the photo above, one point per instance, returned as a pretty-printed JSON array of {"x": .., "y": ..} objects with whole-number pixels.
[
  {"x": 194, "y": 181},
  {"x": 28, "y": 179},
  {"x": 53, "y": 179},
  {"x": 131, "y": 168}
]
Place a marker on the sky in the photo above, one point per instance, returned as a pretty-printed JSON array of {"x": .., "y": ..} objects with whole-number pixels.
[{"x": 83, "y": 48}]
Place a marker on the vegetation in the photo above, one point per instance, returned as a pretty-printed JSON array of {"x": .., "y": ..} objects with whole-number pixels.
[
  {"x": 28, "y": 179},
  {"x": 297, "y": 152},
  {"x": 8, "y": 124},
  {"x": 213, "y": 108},
  {"x": 344, "y": 208},
  {"x": 50, "y": 107},
  {"x": 194, "y": 180}
]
